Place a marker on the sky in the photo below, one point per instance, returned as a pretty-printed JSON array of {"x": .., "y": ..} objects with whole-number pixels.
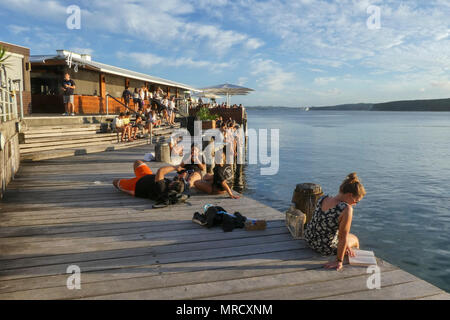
[{"x": 292, "y": 53}]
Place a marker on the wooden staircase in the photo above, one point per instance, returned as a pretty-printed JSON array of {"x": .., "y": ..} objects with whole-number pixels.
[{"x": 41, "y": 141}]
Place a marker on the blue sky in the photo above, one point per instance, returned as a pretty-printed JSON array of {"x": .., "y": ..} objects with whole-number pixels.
[{"x": 293, "y": 53}]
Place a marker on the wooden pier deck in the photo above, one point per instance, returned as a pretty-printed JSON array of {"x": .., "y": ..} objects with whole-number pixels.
[{"x": 64, "y": 212}]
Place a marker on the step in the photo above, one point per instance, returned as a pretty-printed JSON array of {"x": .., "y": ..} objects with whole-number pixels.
[
  {"x": 59, "y": 153},
  {"x": 57, "y": 120},
  {"x": 67, "y": 138},
  {"x": 67, "y": 145},
  {"x": 49, "y": 138},
  {"x": 62, "y": 142},
  {"x": 59, "y": 134},
  {"x": 61, "y": 129}
]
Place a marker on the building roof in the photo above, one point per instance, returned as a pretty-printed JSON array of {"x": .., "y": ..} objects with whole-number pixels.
[{"x": 85, "y": 60}]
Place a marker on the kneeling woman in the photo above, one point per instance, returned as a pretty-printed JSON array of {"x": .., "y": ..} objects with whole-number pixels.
[{"x": 328, "y": 232}]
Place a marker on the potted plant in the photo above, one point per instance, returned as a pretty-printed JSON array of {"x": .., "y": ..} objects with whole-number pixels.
[{"x": 208, "y": 119}]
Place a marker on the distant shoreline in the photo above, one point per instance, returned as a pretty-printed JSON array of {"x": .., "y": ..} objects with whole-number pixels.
[{"x": 435, "y": 105}]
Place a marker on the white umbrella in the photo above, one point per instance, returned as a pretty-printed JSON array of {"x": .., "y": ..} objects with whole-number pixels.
[
  {"x": 207, "y": 95},
  {"x": 228, "y": 90}
]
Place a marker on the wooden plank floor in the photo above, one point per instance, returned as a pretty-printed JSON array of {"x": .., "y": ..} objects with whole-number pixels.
[{"x": 65, "y": 211}]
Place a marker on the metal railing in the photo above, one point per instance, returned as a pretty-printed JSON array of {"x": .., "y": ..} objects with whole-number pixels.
[{"x": 118, "y": 101}]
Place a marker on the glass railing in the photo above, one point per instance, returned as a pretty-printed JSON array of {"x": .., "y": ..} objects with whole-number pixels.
[{"x": 8, "y": 98}]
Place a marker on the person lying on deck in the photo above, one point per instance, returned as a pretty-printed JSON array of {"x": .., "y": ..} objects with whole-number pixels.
[
  {"x": 149, "y": 185},
  {"x": 328, "y": 232},
  {"x": 219, "y": 182}
]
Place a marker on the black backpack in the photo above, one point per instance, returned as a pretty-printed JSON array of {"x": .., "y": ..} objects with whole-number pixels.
[{"x": 216, "y": 215}]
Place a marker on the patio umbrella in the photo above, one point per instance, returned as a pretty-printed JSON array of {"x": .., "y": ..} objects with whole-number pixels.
[
  {"x": 228, "y": 90},
  {"x": 207, "y": 95}
]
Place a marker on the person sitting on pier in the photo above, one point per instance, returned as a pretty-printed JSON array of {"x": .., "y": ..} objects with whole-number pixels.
[
  {"x": 119, "y": 126},
  {"x": 219, "y": 182},
  {"x": 328, "y": 232},
  {"x": 176, "y": 149},
  {"x": 146, "y": 184},
  {"x": 156, "y": 122},
  {"x": 137, "y": 126}
]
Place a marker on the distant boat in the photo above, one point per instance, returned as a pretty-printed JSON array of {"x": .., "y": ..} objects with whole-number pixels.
[{"x": 304, "y": 108}]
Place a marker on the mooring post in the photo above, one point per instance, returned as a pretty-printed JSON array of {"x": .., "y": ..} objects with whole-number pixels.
[
  {"x": 162, "y": 152},
  {"x": 305, "y": 197}
]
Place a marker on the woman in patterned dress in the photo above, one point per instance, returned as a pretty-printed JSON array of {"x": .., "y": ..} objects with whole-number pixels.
[{"x": 328, "y": 232}]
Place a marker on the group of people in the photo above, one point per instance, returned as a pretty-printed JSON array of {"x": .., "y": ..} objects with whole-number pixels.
[
  {"x": 128, "y": 129},
  {"x": 233, "y": 135},
  {"x": 214, "y": 104},
  {"x": 190, "y": 173},
  {"x": 328, "y": 232},
  {"x": 150, "y": 109},
  {"x": 158, "y": 100}
]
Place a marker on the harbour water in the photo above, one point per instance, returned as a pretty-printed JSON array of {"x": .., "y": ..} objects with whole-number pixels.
[{"x": 403, "y": 160}]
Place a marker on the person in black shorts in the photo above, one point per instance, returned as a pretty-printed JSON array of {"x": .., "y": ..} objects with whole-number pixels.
[
  {"x": 220, "y": 181},
  {"x": 68, "y": 86},
  {"x": 148, "y": 185}
]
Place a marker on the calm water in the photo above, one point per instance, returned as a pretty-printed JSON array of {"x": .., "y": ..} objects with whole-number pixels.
[{"x": 403, "y": 160}]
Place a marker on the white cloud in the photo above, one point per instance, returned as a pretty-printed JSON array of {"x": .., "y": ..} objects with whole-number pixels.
[
  {"x": 270, "y": 76},
  {"x": 334, "y": 33},
  {"x": 148, "y": 60},
  {"x": 15, "y": 29},
  {"x": 324, "y": 80},
  {"x": 81, "y": 50},
  {"x": 254, "y": 43},
  {"x": 162, "y": 23},
  {"x": 445, "y": 84},
  {"x": 280, "y": 46},
  {"x": 242, "y": 81}
]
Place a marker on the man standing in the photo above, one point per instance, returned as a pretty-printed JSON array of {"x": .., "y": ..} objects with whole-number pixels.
[
  {"x": 68, "y": 89},
  {"x": 126, "y": 95}
]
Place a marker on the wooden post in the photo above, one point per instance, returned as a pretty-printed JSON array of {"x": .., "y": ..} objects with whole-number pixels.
[
  {"x": 102, "y": 81},
  {"x": 305, "y": 197}
]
